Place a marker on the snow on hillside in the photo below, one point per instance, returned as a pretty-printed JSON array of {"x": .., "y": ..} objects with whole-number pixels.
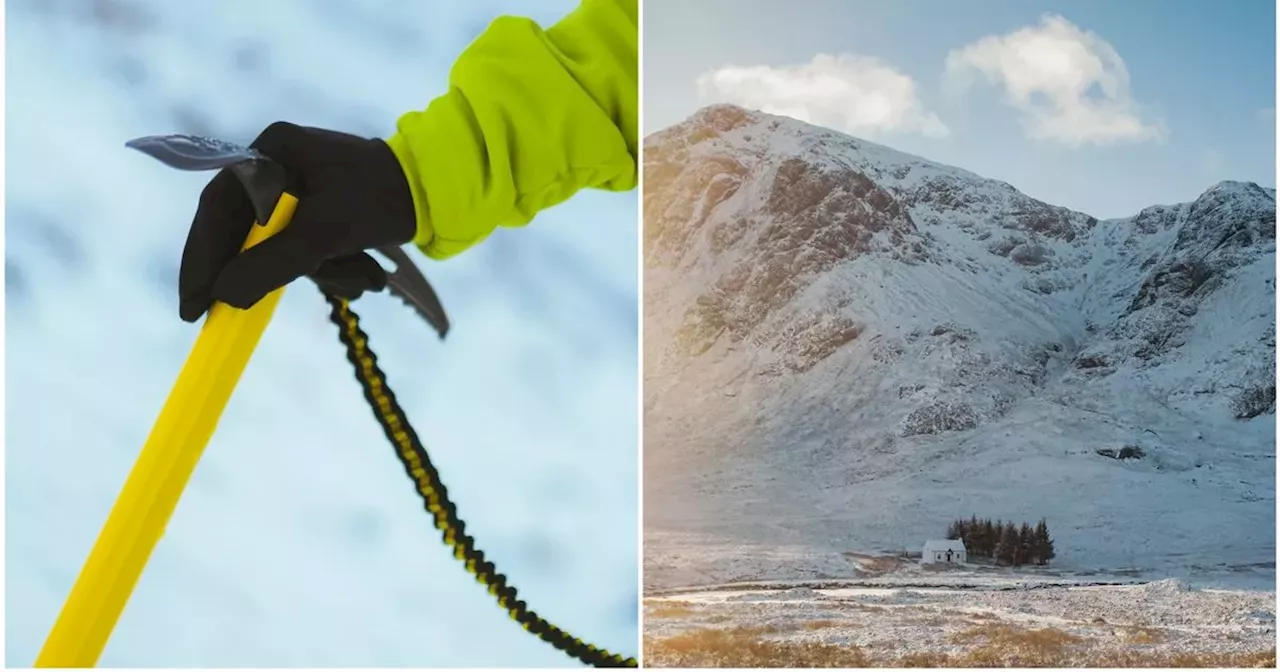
[
  {"x": 300, "y": 543},
  {"x": 847, "y": 346}
]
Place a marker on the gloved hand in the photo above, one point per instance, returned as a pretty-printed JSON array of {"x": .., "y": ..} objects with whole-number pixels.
[{"x": 352, "y": 196}]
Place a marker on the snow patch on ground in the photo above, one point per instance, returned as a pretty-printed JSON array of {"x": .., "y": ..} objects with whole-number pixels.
[{"x": 1163, "y": 617}]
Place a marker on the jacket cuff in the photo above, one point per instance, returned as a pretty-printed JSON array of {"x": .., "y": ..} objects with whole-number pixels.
[{"x": 424, "y": 238}]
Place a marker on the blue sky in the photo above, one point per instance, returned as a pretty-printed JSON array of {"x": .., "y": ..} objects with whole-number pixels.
[
  {"x": 299, "y": 541},
  {"x": 944, "y": 80}
]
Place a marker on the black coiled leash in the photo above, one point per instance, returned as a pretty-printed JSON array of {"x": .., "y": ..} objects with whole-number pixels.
[{"x": 435, "y": 497}]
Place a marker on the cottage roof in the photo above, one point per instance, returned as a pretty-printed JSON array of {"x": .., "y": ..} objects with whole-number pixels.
[{"x": 943, "y": 545}]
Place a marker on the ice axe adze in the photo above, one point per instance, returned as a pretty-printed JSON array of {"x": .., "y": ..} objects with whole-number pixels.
[{"x": 191, "y": 412}]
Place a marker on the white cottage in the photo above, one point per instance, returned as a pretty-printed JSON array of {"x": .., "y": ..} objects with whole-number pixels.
[{"x": 943, "y": 550}]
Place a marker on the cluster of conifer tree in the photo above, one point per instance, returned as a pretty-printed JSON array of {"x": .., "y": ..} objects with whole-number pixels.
[{"x": 1004, "y": 541}]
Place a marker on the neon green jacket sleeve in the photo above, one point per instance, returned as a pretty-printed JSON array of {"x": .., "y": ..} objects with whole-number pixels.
[{"x": 531, "y": 117}]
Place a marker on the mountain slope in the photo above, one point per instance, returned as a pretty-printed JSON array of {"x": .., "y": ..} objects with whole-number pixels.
[{"x": 847, "y": 346}]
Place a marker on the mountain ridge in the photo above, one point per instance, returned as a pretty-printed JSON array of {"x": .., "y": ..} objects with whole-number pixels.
[{"x": 823, "y": 311}]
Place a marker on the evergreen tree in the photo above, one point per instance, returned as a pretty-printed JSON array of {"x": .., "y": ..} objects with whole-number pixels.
[
  {"x": 1007, "y": 549},
  {"x": 973, "y": 540},
  {"x": 1006, "y": 542},
  {"x": 1044, "y": 543},
  {"x": 1026, "y": 539},
  {"x": 971, "y": 537}
]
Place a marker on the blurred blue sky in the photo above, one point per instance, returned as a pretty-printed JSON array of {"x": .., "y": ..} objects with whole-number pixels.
[
  {"x": 1200, "y": 91},
  {"x": 300, "y": 542}
]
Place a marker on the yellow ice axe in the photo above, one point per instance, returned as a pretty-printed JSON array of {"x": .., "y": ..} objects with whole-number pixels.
[
  {"x": 197, "y": 400},
  {"x": 186, "y": 422}
]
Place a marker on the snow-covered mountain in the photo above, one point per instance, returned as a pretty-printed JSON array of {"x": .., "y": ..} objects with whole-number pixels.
[{"x": 847, "y": 346}]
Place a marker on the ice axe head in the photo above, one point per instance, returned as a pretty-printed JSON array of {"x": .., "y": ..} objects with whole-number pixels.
[
  {"x": 262, "y": 178},
  {"x": 264, "y": 181}
]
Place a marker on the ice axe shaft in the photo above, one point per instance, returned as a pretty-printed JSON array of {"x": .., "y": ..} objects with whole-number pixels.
[{"x": 183, "y": 429}]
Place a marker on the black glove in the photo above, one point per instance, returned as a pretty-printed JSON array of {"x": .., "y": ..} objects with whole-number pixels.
[{"x": 352, "y": 196}]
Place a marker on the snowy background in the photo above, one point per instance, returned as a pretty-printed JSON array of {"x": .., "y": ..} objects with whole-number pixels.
[{"x": 300, "y": 542}]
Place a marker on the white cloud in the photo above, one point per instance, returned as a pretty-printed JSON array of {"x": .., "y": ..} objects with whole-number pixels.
[
  {"x": 857, "y": 94},
  {"x": 1071, "y": 85}
]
